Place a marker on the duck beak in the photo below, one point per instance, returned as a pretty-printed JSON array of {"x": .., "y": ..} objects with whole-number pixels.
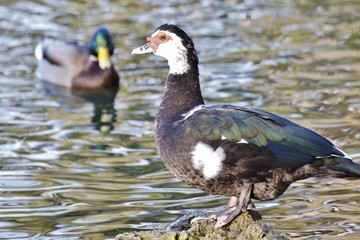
[
  {"x": 143, "y": 49},
  {"x": 104, "y": 58}
]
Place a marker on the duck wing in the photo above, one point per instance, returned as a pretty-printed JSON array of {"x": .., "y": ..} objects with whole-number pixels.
[
  {"x": 293, "y": 145},
  {"x": 60, "y": 61}
]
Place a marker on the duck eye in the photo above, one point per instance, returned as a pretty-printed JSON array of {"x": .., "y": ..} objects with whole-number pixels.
[{"x": 162, "y": 37}]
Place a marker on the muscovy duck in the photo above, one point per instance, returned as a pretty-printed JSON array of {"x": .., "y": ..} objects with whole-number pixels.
[{"x": 228, "y": 150}]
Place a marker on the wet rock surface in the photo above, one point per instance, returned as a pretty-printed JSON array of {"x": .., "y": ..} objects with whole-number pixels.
[{"x": 246, "y": 226}]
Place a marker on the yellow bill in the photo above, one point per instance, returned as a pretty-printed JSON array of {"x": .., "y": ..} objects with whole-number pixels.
[{"x": 104, "y": 58}]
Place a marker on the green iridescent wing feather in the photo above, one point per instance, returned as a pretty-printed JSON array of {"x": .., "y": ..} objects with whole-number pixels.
[
  {"x": 293, "y": 145},
  {"x": 235, "y": 125}
]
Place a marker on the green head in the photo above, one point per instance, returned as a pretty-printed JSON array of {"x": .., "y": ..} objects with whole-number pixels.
[{"x": 102, "y": 47}]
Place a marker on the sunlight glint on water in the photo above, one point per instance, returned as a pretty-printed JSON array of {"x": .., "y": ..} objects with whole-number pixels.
[{"x": 72, "y": 169}]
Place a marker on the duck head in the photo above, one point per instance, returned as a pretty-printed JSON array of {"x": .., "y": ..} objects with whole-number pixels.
[
  {"x": 173, "y": 44},
  {"x": 102, "y": 47}
]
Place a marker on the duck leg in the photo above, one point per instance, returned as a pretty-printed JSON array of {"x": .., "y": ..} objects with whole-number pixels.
[
  {"x": 233, "y": 201},
  {"x": 237, "y": 205}
]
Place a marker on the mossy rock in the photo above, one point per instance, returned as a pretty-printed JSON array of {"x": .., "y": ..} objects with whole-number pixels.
[{"x": 247, "y": 226}]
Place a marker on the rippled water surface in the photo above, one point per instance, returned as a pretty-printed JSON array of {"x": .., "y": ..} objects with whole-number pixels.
[{"x": 80, "y": 166}]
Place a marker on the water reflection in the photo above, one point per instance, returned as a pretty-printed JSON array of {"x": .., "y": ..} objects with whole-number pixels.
[
  {"x": 104, "y": 114},
  {"x": 61, "y": 178}
]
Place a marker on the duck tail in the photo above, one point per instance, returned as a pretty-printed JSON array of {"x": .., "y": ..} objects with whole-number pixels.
[
  {"x": 343, "y": 165},
  {"x": 39, "y": 51}
]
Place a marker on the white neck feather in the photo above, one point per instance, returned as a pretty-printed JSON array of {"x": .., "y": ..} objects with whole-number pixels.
[
  {"x": 179, "y": 65},
  {"x": 175, "y": 53}
]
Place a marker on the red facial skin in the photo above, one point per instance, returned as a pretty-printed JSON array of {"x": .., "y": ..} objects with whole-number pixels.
[{"x": 158, "y": 39}]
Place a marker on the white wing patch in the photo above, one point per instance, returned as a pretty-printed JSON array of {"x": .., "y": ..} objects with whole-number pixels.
[
  {"x": 208, "y": 160},
  {"x": 243, "y": 141},
  {"x": 345, "y": 154},
  {"x": 192, "y": 111}
]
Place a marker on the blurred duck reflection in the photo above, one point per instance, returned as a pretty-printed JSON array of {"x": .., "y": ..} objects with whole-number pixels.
[{"x": 104, "y": 115}]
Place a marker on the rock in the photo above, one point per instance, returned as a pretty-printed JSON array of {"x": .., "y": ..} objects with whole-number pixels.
[{"x": 247, "y": 226}]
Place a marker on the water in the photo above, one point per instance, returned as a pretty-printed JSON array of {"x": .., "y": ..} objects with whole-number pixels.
[{"x": 74, "y": 167}]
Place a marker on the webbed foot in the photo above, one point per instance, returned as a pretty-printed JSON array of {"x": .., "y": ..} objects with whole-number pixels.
[{"x": 236, "y": 207}]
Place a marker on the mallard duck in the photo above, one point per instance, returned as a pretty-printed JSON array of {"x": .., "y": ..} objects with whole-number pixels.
[
  {"x": 229, "y": 150},
  {"x": 75, "y": 66}
]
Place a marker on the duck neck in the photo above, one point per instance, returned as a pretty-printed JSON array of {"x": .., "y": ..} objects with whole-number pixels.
[{"x": 182, "y": 93}]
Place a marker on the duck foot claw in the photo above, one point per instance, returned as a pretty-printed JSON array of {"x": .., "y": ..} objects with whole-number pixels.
[
  {"x": 228, "y": 215},
  {"x": 236, "y": 207},
  {"x": 200, "y": 218},
  {"x": 222, "y": 218}
]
